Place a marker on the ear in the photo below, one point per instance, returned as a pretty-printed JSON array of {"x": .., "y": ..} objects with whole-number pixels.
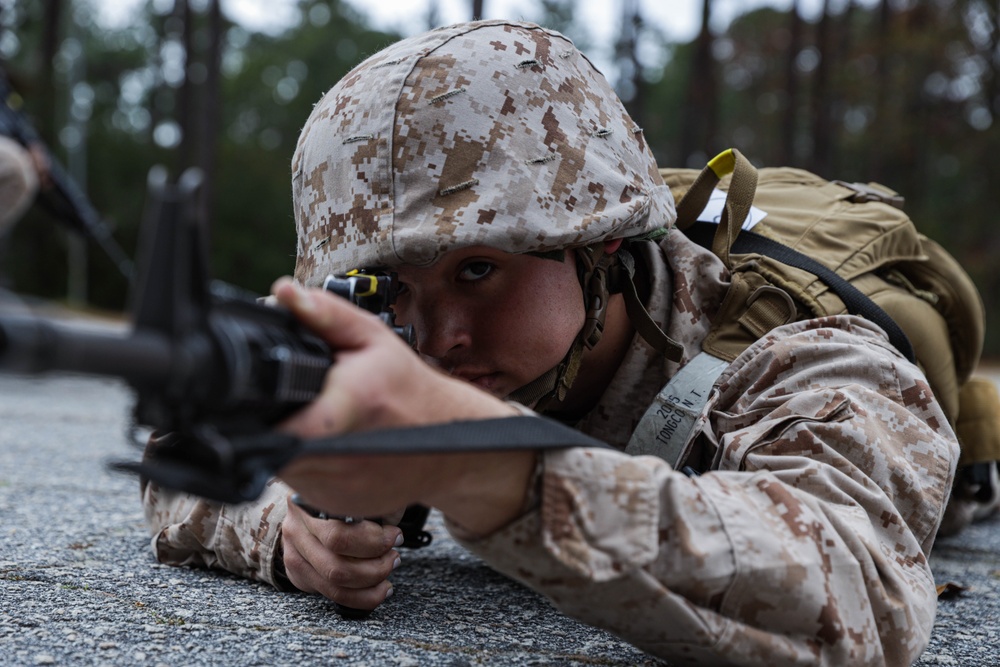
[{"x": 611, "y": 247}]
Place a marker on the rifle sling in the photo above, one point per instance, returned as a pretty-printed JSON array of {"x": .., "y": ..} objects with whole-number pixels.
[
  {"x": 237, "y": 470},
  {"x": 483, "y": 435}
]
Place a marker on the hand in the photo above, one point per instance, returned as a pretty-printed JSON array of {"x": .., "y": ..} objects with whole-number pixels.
[
  {"x": 347, "y": 563},
  {"x": 376, "y": 381},
  {"x": 40, "y": 159}
]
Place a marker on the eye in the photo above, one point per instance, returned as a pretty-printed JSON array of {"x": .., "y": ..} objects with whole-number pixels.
[{"x": 475, "y": 270}]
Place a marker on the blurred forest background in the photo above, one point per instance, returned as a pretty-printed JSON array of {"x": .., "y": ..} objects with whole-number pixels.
[{"x": 903, "y": 92}]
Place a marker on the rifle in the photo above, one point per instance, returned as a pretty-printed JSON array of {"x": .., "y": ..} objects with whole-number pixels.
[
  {"x": 206, "y": 360},
  {"x": 64, "y": 200},
  {"x": 209, "y": 363},
  {"x": 218, "y": 369}
]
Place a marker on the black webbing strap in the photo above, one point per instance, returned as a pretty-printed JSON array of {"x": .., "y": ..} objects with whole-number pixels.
[
  {"x": 233, "y": 470},
  {"x": 856, "y": 301},
  {"x": 481, "y": 435}
]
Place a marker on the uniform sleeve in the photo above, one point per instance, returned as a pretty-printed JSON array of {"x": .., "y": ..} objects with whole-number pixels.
[
  {"x": 807, "y": 541},
  {"x": 243, "y": 539}
]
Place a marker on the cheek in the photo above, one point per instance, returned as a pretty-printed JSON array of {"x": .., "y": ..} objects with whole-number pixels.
[
  {"x": 538, "y": 325},
  {"x": 563, "y": 319}
]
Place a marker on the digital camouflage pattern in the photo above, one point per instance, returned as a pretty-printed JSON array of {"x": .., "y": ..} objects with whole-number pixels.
[
  {"x": 825, "y": 465},
  {"x": 242, "y": 539},
  {"x": 825, "y": 461},
  {"x": 491, "y": 133}
]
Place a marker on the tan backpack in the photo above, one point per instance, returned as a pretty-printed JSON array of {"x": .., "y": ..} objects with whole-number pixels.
[{"x": 827, "y": 248}]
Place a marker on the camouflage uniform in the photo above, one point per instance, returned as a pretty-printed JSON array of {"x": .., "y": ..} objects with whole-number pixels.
[
  {"x": 806, "y": 543},
  {"x": 825, "y": 461}
]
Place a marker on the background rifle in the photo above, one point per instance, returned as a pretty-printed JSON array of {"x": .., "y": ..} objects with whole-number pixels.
[
  {"x": 218, "y": 370},
  {"x": 66, "y": 202},
  {"x": 207, "y": 361},
  {"x": 63, "y": 199}
]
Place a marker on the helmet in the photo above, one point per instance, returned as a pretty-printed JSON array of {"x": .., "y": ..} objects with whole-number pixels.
[{"x": 492, "y": 133}]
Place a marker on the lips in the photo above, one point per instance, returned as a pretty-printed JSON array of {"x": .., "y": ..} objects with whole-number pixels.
[{"x": 485, "y": 380}]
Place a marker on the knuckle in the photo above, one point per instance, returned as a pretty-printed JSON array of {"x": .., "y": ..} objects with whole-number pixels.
[
  {"x": 360, "y": 539},
  {"x": 355, "y": 575},
  {"x": 293, "y": 561},
  {"x": 337, "y": 537},
  {"x": 336, "y": 575},
  {"x": 352, "y": 600}
]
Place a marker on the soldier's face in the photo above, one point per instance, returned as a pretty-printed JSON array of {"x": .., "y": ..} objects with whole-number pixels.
[{"x": 491, "y": 318}]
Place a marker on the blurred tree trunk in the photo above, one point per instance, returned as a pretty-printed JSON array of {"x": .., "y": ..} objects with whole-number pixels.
[
  {"x": 477, "y": 9},
  {"x": 789, "y": 123},
  {"x": 158, "y": 87},
  {"x": 911, "y": 150},
  {"x": 881, "y": 80},
  {"x": 842, "y": 47},
  {"x": 822, "y": 98},
  {"x": 699, "y": 111},
  {"x": 992, "y": 55},
  {"x": 211, "y": 118},
  {"x": 433, "y": 14},
  {"x": 186, "y": 95},
  {"x": 199, "y": 98},
  {"x": 3, "y": 29},
  {"x": 46, "y": 91},
  {"x": 845, "y": 39},
  {"x": 627, "y": 55}
]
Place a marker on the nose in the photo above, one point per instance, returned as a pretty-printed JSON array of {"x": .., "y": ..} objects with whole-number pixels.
[{"x": 442, "y": 328}]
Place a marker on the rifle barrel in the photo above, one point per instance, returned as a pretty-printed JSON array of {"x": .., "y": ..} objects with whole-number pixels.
[{"x": 34, "y": 345}]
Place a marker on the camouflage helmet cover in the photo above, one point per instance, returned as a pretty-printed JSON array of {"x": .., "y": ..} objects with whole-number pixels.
[{"x": 490, "y": 133}]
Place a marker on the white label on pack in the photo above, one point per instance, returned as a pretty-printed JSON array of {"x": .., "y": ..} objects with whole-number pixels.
[{"x": 716, "y": 204}]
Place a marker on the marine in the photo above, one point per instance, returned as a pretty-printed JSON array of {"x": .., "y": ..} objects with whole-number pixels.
[{"x": 493, "y": 169}]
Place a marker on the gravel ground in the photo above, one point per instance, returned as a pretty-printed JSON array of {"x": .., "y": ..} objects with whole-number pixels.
[{"x": 78, "y": 584}]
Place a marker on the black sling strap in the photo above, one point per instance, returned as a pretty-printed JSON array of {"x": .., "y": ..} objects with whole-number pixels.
[{"x": 236, "y": 470}]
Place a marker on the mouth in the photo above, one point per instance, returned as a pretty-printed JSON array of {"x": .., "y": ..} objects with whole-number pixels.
[{"x": 485, "y": 381}]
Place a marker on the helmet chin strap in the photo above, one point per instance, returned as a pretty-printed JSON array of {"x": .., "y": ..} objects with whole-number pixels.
[{"x": 601, "y": 275}]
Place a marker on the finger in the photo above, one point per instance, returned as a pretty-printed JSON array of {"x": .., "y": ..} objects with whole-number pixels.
[
  {"x": 361, "y": 539},
  {"x": 328, "y": 573},
  {"x": 346, "y": 328},
  {"x": 298, "y": 570},
  {"x": 365, "y": 598},
  {"x": 307, "y": 579},
  {"x": 339, "y": 322},
  {"x": 333, "y": 411}
]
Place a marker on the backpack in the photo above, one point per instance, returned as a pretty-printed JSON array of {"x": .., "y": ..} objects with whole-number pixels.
[{"x": 808, "y": 248}]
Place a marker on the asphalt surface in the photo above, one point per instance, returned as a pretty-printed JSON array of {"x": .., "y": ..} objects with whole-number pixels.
[{"x": 79, "y": 586}]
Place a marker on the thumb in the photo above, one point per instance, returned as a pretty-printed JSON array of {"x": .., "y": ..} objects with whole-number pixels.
[{"x": 334, "y": 319}]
